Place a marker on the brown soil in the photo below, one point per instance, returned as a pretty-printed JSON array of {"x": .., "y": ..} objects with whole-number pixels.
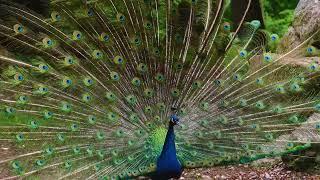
[{"x": 245, "y": 172}]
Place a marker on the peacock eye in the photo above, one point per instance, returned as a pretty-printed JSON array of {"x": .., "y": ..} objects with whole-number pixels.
[
  {"x": 49, "y": 150},
  {"x": 68, "y": 60},
  {"x": 40, "y": 162},
  {"x": 226, "y": 26},
  {"x": 274, "y": 37},
  {"x": 137, "y": 41},
  {"x": 19, "y": 77},
  {"x": 256, "y": 23},
  {"x": 55, "y": 16},
  {"x": 313, "y": 67},
  {"x": 114, "y": 76},
  {"x": 90, "y": 12},
  {"x": 243, "y": 54},
  {"x": 20, "y": 137},
  {"x": 97, "y": 54},
  {"x": 159, "y": 77},
  {"x": 22, "y": 99},
  {"x": 77, "y": 35},
  {"x": 16, "y": 165},
  {"x": 44, "y": 67},
  {"x": 20, "y": 29},
  {"x": 9, "y": 109}
]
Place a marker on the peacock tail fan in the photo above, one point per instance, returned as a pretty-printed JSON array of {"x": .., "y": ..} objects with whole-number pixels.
[{"x": 87, "y": 92}]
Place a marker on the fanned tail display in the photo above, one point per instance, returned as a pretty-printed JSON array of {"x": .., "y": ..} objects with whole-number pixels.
[{"x": 88, "y": 91}]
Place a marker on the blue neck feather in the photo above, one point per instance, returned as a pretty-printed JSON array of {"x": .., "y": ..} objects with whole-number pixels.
[{"x": 168, "y": 165}]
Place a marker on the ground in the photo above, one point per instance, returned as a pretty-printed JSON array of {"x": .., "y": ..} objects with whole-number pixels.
[{"x": 265, "y": 170}]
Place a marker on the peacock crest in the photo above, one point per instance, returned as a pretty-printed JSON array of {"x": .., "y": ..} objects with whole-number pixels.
[{"x": 87, "y": 91}]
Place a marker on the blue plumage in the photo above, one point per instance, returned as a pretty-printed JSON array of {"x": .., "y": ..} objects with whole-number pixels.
[{"x": 168, "y": 165}]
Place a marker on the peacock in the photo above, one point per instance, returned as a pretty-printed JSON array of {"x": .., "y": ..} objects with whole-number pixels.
[{"x": 117, "y": 89}]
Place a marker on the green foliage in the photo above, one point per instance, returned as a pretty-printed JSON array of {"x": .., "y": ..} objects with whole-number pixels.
[{"x": 279, "y": 14}]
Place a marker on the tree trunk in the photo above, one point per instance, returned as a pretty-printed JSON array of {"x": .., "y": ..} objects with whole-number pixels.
[
  {"x": 306, "y": 23},
  {"x": 255, "y": 12}
]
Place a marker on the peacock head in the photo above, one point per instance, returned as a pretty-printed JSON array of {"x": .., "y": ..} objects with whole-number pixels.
[{"x": 174, "y": 118}]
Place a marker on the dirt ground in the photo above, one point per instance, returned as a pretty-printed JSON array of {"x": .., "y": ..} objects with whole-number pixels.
[{"x": 265, "y": 171}]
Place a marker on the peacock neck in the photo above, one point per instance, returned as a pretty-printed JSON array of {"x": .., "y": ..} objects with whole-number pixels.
[
  {"x": 168, "y": 165},
  {"x": 169, "y": 144}
]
